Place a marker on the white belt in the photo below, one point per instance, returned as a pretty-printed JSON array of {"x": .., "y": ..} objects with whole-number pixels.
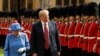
[
  {"x": 81, "y": 36},
  {"x": 76, "y": 35},
  {"x": 70, "y": 36},
  {"x": 4, "y": 28},
  {"x": 85, "y": 37},
  {"x": 62, "y": 35},
  {"x": 91, "y": 37},
  {"x": 98, "y": 38}
]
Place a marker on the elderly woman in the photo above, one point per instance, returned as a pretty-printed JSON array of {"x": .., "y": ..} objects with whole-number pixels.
[{"x": 16, "y": 42}]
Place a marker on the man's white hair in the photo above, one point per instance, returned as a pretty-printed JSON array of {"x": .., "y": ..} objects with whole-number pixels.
[{"x": 44, "y": 11}]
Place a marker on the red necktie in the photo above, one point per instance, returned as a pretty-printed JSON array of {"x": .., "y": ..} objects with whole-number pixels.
[{"x": 46, "y": 34}]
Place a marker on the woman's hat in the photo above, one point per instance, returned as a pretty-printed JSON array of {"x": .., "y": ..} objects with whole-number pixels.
[{"x": 15, "y": 27}]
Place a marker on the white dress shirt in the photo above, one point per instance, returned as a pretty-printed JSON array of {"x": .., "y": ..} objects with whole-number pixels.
[{"x": 46, "y": 26}]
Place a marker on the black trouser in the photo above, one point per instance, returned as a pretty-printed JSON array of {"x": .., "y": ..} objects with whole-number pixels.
[
  {"x": 71, "y": 52},
  {"x": 47, "y": 52},
  {"x": 84, "y": 53},
  {"x": 75, "y": 52},
  {"x": 64, "y": 51},
  {"x": 93, "y": 54},
  {"x": 2, "y": 40},
  {"x": 78, "y": 52}
]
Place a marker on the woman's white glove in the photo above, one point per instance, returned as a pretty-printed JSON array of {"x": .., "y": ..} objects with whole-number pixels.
[{"x": 21, "y": 50}]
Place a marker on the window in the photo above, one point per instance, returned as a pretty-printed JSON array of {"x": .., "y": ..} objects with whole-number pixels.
[
  {"x": 22, "y": 4},
  {"x": 81, "y": 1},
  {"x": 66, "y": 2},
  {"x": 29, "y": 4},
  {"x": 14, "y": 4},
  {"x": 73, "y": 2},
  {"x": 5, "y": 5},
  {"x": 58, "y": 2},
  {"x": 17, "y": 4}
]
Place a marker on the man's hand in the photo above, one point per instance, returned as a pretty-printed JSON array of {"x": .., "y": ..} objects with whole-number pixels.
[
  {"x": 34, "y": 54},
  {"x": 58, "y": 53}
]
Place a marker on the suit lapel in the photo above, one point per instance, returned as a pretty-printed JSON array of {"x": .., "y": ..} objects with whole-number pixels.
[
  {"x": 50, "y": 27},
  {"x": 41, "y": 29}
]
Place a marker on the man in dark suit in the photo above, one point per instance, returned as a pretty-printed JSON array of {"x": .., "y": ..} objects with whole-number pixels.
[{"x": 45, "y": 37}]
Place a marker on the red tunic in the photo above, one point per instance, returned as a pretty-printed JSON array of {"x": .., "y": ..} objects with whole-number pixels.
[
  {"x": 58, "y": 25},
  {"x": 85, "y": 33},
  {"x": 77, "y": 33},
  {"x": 62, "y": 38},
  {"x": 92, "y": 34},
  {"x": 98, "y": 42},
  {"x": 71, "y": 41},
  {"x": 66, "y": 34},
  {"x": 81, "y": 38}
]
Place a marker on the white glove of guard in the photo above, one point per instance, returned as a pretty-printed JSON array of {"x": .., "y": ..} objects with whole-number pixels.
[
  {"x": 21, "y": 50},
  {"x": 94, "y": 48}
]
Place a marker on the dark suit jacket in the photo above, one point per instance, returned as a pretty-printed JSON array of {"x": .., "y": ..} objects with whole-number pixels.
[{"x": 37, "y": 39}]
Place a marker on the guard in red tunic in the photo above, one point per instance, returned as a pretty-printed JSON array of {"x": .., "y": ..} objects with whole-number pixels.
[
  {"x": 80, "y": 45},
  {"x": 66, "y": 33},
  {"x": 71, "y": 29},
  {"x": 65, "y": 46},
  {"x": 92, "y": 34},
  {"x": 85, "y": 33},
  {"x": 97, "y": 45},
  {"x": 98, "y": 35},
  {"x": 77, "y": 30},
  {"x": 93, "y": 29},
  {"x": 62, "y": 38},
  {"x": 71, "y": 40}
]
